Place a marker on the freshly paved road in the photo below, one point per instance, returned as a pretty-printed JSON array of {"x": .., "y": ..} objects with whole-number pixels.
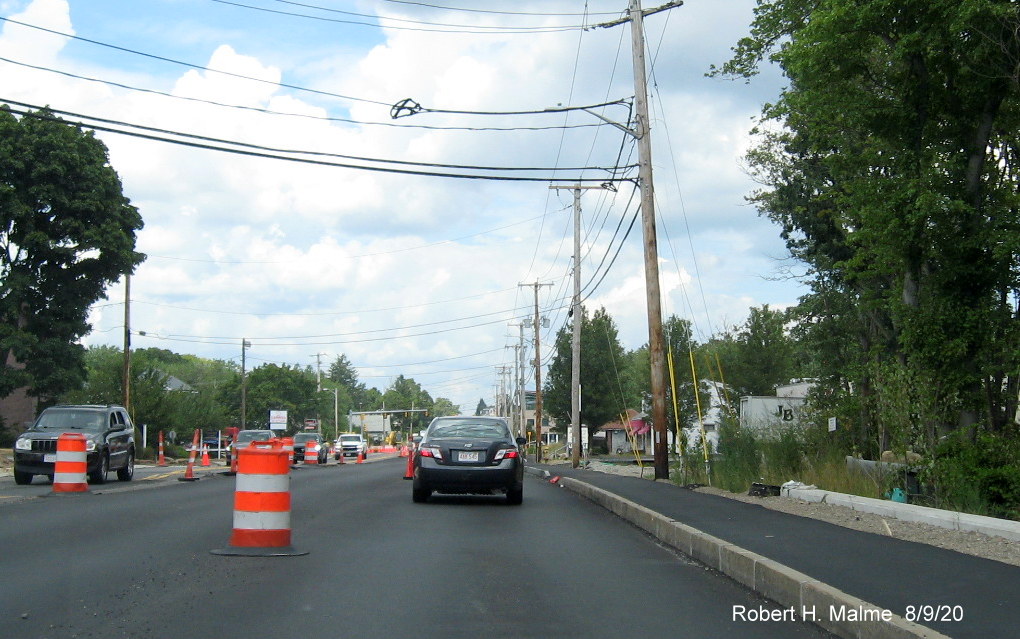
[
  {"x": 136, "y": 563},
  {"x": 893, "y": 574}
]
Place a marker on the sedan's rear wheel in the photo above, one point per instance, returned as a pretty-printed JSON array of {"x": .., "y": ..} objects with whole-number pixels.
[
  {"x": 515, "y": 496},
  {"x": 420, "y": 494}
]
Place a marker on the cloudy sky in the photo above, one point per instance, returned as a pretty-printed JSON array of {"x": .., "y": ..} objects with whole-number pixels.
[{"x": 402, "y": 268}]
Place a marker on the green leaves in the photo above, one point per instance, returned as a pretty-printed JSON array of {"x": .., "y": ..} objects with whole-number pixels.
[
  {"x": 66, "y": 233},
  {"x": 890, "y": 170}
]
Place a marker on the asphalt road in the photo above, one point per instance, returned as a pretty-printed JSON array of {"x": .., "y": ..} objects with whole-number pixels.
[{"x": 134, "y": 561}]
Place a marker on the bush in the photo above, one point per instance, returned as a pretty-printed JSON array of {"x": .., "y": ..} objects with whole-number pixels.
[{"x": 980, "y": 476}]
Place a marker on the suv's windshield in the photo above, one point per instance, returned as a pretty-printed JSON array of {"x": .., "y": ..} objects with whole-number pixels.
[
  {"x": 305, "y": 437},
  {"x": 469, "y": 428},
  {"x": 350, "y": 438},
  {"x": 72, "y": 419}
]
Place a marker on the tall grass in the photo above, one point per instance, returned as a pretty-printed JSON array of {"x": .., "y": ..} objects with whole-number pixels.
[{"x": 782, "y": 455}]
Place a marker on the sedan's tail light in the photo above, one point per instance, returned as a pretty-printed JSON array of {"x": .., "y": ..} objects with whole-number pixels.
[
  {"x": 432, "y": 451},
  {"x": 505, "y": 453}
]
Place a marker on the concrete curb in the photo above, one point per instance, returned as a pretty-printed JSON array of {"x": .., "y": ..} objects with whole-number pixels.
[
  {"x": 803, "y": 597},
  {"x": 911, "y": 512}
]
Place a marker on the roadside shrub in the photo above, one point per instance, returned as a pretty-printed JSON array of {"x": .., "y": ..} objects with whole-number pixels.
[{"x": 980, "y": 476}]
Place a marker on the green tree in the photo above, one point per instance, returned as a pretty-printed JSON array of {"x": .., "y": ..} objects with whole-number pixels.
[
  {"x": 66, "y": 233},
  {"x": 606, "y": 387},
  {"x": 889, "y": 163},
  {"x": 481, "y": 407},
  {"x": 275, "y": 387},
  {"x": 153, "y": 403},
  {"x": 756, "y": 357},
  {"x": 441, "y": 408}
]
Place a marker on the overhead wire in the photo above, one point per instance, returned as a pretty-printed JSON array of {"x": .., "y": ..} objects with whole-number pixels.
[
  {"x": 293, "y": 314},
  {"x": 191, "y": 65},
  {"x": 425, "y": 25},
  {"x": 301, "y": 160},
  {"x": 511, "y": 13},
  {"x": 262, "y": 342},
  {"x": 365, "y": 332},
  {"x": 258, "y": 147},
  {"x": 309, "y": 116}
]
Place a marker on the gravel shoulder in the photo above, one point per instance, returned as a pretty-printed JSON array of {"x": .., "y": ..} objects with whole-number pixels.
[{"x": 971, "y": 543}]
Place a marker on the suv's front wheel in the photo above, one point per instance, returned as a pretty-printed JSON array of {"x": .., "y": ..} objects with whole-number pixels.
[
  {"x": 98, "y": 476},
  {"x": 22, "y": 478},
  {"x": 128, "y": 471}
]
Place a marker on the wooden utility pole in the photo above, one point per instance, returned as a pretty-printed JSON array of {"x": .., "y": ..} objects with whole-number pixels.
[
  {"x": 575, "y": 342},
  {"x": 127, "y": 343},
  {"x": 538, "y": 374},
  {"x": 641, "y": 132},
  {"x": 521, "y": 424}
]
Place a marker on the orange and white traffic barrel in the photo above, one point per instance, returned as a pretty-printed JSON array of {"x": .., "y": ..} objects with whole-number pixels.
[
  {"x": 311, "y": 455},
  {"x": 262, "y": 503},
  {"x": 72, "y": 464}
]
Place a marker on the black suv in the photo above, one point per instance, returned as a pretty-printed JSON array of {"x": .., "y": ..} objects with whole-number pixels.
[
  {"x": 109, "y": 442},
  {"x": 316, "y": 441}
]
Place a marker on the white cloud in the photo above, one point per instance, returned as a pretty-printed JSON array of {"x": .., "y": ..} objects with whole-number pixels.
[{"x": 274, "y": 251}]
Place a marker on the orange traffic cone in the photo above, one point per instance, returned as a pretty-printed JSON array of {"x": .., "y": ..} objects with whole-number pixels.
[
  {"x": 205, "y": 455},
  {"x": 409, "y": 473},
  {"x": 189, "y": 473},
  {"x": 361, "y": 457},
  {"x": 233, "y": 456},
  {"x": 162, "y": 458}
]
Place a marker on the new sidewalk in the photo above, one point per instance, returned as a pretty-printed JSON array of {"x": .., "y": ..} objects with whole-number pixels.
[{"x": 800, "y": 562}]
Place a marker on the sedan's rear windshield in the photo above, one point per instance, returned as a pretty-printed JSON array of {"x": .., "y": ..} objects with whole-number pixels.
[
  {"x": 72, "y": 419},
  {"x": 482, "y": 429},
  {"x": 305, "y": 437},
  {"x": 254, "y": 435}
]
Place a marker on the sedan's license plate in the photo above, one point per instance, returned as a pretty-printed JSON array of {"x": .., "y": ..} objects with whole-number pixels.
[{"x": 468, "y": 456}]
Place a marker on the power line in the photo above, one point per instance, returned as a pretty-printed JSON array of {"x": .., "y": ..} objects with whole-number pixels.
[
  {"x": 408, "y": 106},
  {"x": 322, "y": 118},
  {"x": 442, "y": 27},
  {"x": 367, "y": 332},
  {"x": 258, "y": 147},
  {"x": 509, "y": 13},
  {"x": 217, "y": 341},
  {"x": 317, "y": 162},
  {"x": 189, "y": 64},
  {"x": 329, "y": 313}
]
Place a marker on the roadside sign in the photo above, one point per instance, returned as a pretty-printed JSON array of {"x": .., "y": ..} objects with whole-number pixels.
[{"x": 278, "y": 420}]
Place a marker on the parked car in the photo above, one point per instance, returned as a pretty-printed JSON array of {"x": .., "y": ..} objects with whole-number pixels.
[
  {"x": 109, "y": 443},
  {"x": 246, "y": 437},
  {"x": 350, "y": 445},
  {"x": 473, "y": 455},
  {"x": 317, "y": 441}
]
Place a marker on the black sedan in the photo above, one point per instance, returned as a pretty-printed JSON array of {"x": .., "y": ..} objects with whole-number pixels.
[{"x": 469, "y": 455}]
